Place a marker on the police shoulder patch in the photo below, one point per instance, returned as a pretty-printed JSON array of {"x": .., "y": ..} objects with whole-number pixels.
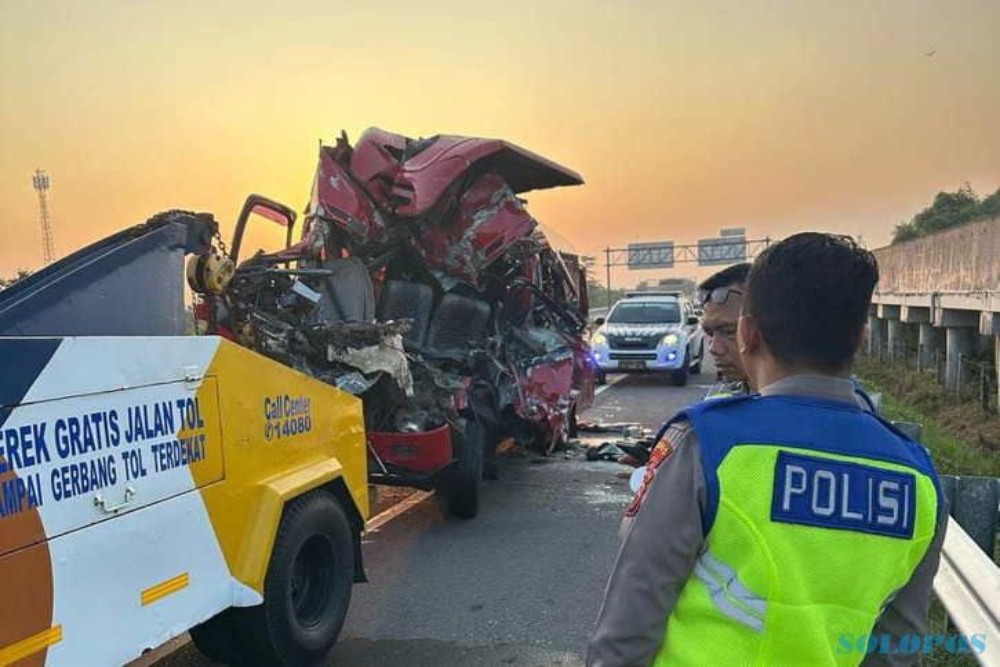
[
  {"x": 660, "y": 453},
  {"x": 827, "y": 493}
]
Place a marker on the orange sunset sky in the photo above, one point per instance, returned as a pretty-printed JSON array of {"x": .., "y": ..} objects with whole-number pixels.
[{"x": 683, "y": 117}]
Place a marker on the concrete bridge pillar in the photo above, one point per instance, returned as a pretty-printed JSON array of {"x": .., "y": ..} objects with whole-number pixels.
[
  {"x": 996, "y": 355},
  {"x": 984, "y": 345},
  {"x": 891, "y": 338},
  {"x": 930, "y": 338},
  {"x": 959, "y": 342},
  {"x": 989, "y": 328},
  {"x": 896, "y": 340},
  {"x": 876, "y": 336}
]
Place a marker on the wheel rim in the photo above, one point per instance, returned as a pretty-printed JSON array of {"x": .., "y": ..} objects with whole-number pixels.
[{"x": 311, "y": 587}]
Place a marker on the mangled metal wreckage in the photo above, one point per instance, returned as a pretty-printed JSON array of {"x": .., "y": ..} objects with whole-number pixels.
[{"x": 420, "y": 283}]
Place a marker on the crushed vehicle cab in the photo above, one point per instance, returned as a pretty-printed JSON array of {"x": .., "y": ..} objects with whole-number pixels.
[
  {"x": 649, "y": 332},
  {"x": 153, "y": 482},
  {"x": 421, "y": 284}
]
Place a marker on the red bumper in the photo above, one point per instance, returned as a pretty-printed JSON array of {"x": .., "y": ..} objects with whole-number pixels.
[{"x": 414, "y": 452}]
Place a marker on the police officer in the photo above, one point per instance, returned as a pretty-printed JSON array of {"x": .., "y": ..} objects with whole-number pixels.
[
  {"x": 721, "y": 297},
  {"x": 778, "y": 527}
]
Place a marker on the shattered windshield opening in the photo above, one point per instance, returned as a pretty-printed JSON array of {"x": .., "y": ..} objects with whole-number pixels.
[
  {"x": 546, "y": 339},
  {"x": 645, "y": 313}
]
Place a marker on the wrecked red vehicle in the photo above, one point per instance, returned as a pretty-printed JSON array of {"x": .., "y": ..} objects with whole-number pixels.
[{"x": 422, "y": 284}]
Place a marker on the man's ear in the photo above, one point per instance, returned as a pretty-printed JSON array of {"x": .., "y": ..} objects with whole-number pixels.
[{"x": 748, "y": 335}]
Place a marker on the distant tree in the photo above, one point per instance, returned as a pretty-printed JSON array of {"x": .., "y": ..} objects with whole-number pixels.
[
  {"x": 598, "y": 294},
  {"x": 904, "y": 231},
  {"x": 990, "y": 207},
  {"x": 21, "y": 275},
  {"x": 950, "y": 209},
  {"x": 686, "y": 286}
]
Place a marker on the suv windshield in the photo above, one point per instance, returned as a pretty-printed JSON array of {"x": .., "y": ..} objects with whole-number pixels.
[{"x": 667, "y": 312}]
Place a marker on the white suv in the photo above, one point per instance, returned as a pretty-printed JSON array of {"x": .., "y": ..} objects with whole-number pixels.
[{"x": 650, "y": 332}]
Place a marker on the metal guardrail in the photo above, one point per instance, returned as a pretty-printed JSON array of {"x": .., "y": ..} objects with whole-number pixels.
[
  {"x": 968, "y": 581},
  {"x": 968, "y": 585}
]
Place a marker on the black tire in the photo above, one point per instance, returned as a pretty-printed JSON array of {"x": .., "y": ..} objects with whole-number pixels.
[
  {"x": 307, "y": 589},
  {"x": 491, "y": 468},
  {"x": 696, "y": 368},
  {"x": 679, "y": 377},
  {"x": 572, "y": 428},
  {"x": 460, "y": 485},
  {"x": 216, "y": 638},
  {"x": 600, "y": 378}
]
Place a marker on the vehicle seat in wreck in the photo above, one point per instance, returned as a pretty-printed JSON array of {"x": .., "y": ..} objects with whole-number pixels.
[
  {"x": 458, "y": 322},
  {"x": 405, "y": 299},
  {"x": 348, "y": 294}
]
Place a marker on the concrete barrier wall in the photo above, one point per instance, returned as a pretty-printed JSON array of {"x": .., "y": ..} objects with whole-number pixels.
[{"x": 965, "y": 259}]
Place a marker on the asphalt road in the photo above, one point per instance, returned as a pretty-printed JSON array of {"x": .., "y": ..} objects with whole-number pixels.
[
  {"x": 648, "y": 399},
  {"x": 519, "y": 585}
]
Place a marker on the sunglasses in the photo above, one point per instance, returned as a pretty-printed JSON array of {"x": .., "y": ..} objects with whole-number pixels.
[{"x": 718, "y": 295}]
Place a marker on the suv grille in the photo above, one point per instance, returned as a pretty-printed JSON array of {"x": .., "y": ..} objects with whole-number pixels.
[{"x": 633, "y": 342}]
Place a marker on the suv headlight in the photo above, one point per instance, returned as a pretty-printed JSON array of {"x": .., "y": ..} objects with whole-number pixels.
[
  {"x": 671, "y": 340},
  {"x": 599, "y": 339}
]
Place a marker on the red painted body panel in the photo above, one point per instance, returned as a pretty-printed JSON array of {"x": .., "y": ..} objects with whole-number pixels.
[
  {"x": 337, "y": 198},
  {"x": 426, "y": 176},
  {"x": 546, "y": 396},
  {"x": 490, "y": 219},
  {"x": 376, "y": 162},
  {"x": 584, "y": 374},
  {"x": 408, "y": 177},
  {"x": 418, "y": 452}
]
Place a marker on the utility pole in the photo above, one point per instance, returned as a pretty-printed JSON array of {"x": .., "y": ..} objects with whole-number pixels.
[
  {"x": 41, "y": 183},
  {"x": 607, "y": 264}
]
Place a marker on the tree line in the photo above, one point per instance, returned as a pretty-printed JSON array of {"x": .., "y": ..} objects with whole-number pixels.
[
  {"x": 20, "y": 275},
  {"x": 950, "y": 209}
]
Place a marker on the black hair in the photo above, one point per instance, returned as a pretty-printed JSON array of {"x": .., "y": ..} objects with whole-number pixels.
[
  {"x": 810, "y": 295},
  {"x": 731, "y": 275}
]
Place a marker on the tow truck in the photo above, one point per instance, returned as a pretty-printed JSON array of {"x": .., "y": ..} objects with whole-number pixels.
[{"x": 154, "y": 482}]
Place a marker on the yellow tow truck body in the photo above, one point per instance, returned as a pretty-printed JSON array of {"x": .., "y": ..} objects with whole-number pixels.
[{"x": 151, "y": 485}]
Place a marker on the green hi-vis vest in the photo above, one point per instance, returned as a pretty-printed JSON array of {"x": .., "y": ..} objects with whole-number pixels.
[
  {"x": 725, "y": 390},
  {"x": 816, "y": 514}
]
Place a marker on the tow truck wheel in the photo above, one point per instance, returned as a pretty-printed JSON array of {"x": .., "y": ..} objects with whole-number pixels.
[
  {"x": 216, "y": 640},
  {"x": 307, "y": 589},
  {"x": 460, "y": 487}
]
